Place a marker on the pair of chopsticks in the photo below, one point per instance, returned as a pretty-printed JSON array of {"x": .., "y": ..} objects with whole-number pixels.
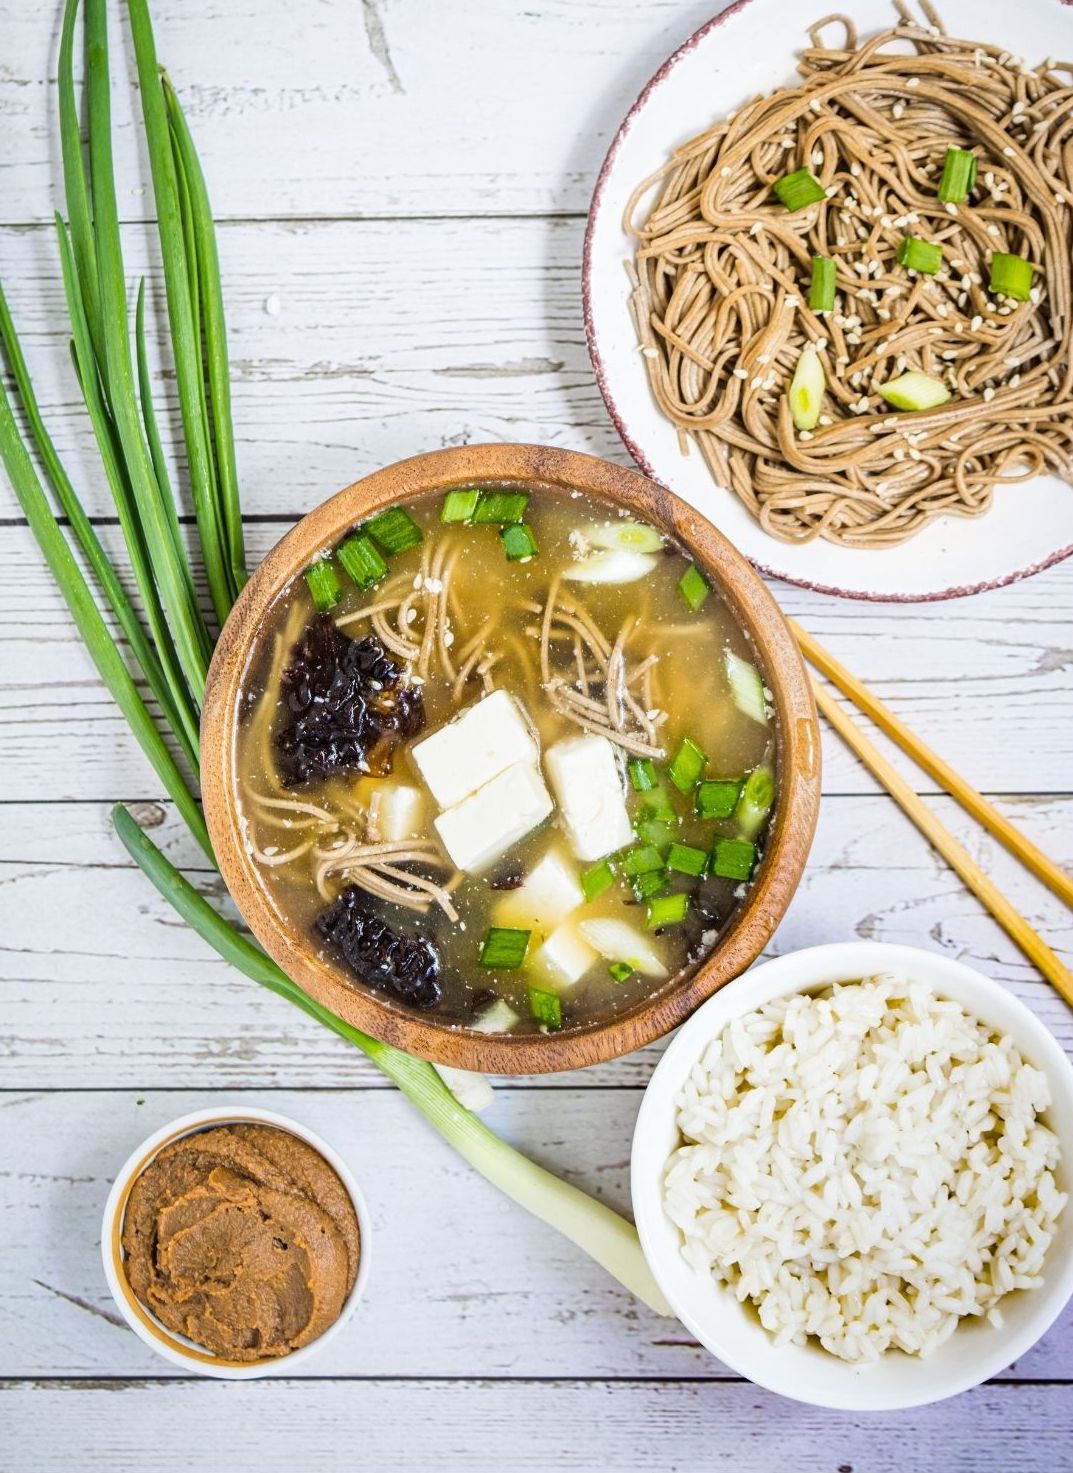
[{"x": 957, "y": 857}]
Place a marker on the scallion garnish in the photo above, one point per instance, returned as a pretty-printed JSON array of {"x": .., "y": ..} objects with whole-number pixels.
[
  {"x": 757, "y": 796},
  {"x": 504, "y": 948},
  {"x": 717, "y": 797},
  {"x": 518, "y": 542},
  {"x": 924, "y": 256},
  {"x": 686, "y": 860},
  {"x": 799, "y": 189},
  {"x": 649, "y": 884},
  {"x": 1011, "y": 276},
  {"x": 687, "y": 766},
  {"x": 657, "y": 804},
  {"x": 694, "y": 588},
  {"x": 733, "y": 859},
  {"x": 959, "y": 176},
  {"x": 501, "y": 507},
  {"x": 641, "y": 860},
  {"x": 546, "y": 1007},
  {"x": 394, "y": 530},
  {"x": 666, "y": 910},
  {"x": 324, "y": 584},
  {"x": 821, "y": 292},
  {"x": 655, "y": 831},
  {"x": 913, "y": 390},
  {"x": 805, "y": 394},
  {"x": 361, "y": 561},
  {"x": 459, "y": 506},
  {"x": 620, "y": 971},
  {"x": 643, "y": 774},
  {"x": 596, "y": 879}
]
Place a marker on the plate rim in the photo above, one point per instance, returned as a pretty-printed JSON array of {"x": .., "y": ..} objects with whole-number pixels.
[{"x": 638, "y": 455}]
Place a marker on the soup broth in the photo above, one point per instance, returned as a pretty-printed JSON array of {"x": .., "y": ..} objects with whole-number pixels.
[{"x": 506, "y": 757}]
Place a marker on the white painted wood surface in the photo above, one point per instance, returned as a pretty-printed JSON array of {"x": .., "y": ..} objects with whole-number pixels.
[{"x": 408, "y": 181}]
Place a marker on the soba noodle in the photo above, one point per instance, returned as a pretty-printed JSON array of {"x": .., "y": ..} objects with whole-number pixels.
[{"x": 721, "y": 279}]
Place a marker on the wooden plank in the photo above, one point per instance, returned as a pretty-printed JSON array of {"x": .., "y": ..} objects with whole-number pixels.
[
  {"x": 482, "y": 107},
  {"x": 463, "y": 1282},
  {"x": 473, "y": 1426},
  {"x": 101, "y": 986},
  {"x": 988, "y": 683}
]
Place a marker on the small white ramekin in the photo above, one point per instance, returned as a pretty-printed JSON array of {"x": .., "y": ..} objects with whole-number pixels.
[
  {"x": 976, "y": 1350},
  {"x": 176, "y": 1348}
]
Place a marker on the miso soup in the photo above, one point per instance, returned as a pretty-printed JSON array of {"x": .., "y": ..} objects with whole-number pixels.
[{"x": 506, "y": 757}]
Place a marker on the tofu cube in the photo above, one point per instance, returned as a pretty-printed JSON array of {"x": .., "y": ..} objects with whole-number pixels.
[
  {"x": 474, "y": 748},
  {"x": 585, "y": 779},
  {"x": 397, "y": 811},
  {"x": 565, "y": 957},
  {"x": 480, "y": 829},
  {"x": 548, "y": 894}
]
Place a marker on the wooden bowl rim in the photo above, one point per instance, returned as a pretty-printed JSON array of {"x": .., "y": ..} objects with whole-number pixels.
[{"x": 797, "y": 758}]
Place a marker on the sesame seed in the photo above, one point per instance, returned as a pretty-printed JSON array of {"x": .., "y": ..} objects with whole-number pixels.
[
  {"x": 804, "y": 435},
  {"x": 757, "y": 383},
  {"x": 951, "y": 207},
  {"x": 989, "y": 394},
  {"x": 915, "y": 455},
  {"x": 793, "y": 301},
  {"x": 825, "y": 419},
  {"x": 815, "y": 104},
  {"x": 899, "y": 454},
  {"x": 1015, "y": 379},
  {"x": 725, "y": 170},
  {"x": 788, "y": 143},
  {"x": 976, "y": 323},
  {"x": 1059, "y": 197},
  {"x": 992, "y": 230},
  {"x": 855, "y": 169},
  {"x": 650, "y": 352},
  {"x": 948, "y": 354},
  {"x": 897, "y": 110},
  {"x": 821, "y": 343},
  {"x": 913, "y": 82},
  {"x": 1008, "y": 151},
  {"x": 741, "y": 373}
]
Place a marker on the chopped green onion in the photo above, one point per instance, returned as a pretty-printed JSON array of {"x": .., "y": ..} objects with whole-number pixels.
[
  {"x": 746, "y": 687},
  {"x": 643, "y": 774},
  {"x": 924, "y": 256},
  {"x": 733, "y": 859},
  {"x": 959, "y": 176},
  {"x": 1011, "y": 276},
  {"x": 821, "y": 292},
  {"x": 805, "y": 394},
  {"x": 694, "y": 588},
  {"x": 666, "y": 910},
  {"x": 504, "y": 948},
  {"x": 620, "y": 971},
  {"x": 459, "y": 506},
  {"x": 649, "y": 884},
  {"x": 546, "y": 1007},
  {"x": 657, "y": 804},
  {"x": 686, "y": 860},
  {"x": 518, "y": 542},
  {"x": 655, "y": 831},
  {"x": 640, "y": 860},
  {"x": 718, "y": 797},
  {"x": 596, "y": 879},
  {"x": 361, "y": 561},
  {"x": 324, "y": 584},
  {"x": 624, "y": 536},
  {"x": 501, "y": 507},
  {"x": 394, "y": 530},
  {"x": 913, "y": 390},
  {"x": 687, "y": 766},
  {"x": 799, "y": 189},
  {"x": 757, "y": 797}
]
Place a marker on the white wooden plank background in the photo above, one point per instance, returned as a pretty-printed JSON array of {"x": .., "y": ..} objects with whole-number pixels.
[{"x": 407, "y": 182}]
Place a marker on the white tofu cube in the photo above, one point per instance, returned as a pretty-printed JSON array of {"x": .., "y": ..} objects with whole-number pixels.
[
  {"x": 585, "y": 779},
  {"x": 480, "y": 829},
  {"x": 397, "y": 811},
  {"x": 548, "y": 894},
  {"x": 474, "y": 748},
  {"x": 565, "y": 957},
  {"x": 619, "y": 942}
]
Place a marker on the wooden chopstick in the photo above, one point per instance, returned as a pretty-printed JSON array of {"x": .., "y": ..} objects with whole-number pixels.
[
  {"x": 973, "y": 802},
  {"x": 958, "y": 858}
]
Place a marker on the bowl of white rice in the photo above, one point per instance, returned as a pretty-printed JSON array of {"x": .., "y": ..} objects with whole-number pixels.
[{"x": 850, "y": 1175}]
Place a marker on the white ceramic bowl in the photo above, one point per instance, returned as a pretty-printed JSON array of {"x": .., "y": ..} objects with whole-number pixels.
[
  {"x": 176, "y": 1348},
  {"x": 976, "y": 1350}
]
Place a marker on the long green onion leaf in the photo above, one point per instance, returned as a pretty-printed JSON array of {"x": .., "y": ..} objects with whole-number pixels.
[
  {"x": 185, "y": 337},
  {"x": 75, "y": 187},
  {"x": 603, "y": 1234},
  {"x": 215, "y": 327}
]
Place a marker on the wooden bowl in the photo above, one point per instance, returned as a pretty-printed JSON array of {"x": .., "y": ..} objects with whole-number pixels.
[{"x": 797, "y": 760}]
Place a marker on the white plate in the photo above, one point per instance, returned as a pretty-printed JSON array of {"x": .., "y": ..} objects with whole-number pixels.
[{"x": 751, "y": 47}]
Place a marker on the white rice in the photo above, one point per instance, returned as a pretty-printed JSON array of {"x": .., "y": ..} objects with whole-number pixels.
[{"x": 866, "y": 1166}]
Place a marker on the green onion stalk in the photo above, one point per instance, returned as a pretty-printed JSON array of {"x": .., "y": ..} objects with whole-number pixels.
[{"x": 162, "y": 653}]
